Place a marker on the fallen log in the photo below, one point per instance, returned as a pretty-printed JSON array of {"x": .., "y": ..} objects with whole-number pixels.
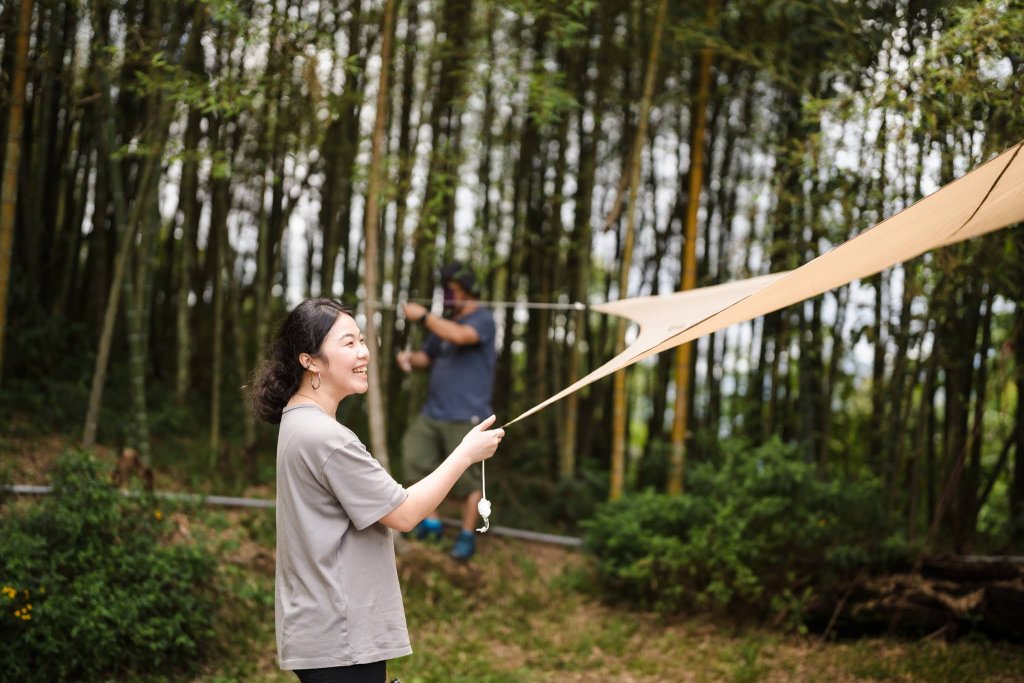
[{"x": 952, "y": 596}]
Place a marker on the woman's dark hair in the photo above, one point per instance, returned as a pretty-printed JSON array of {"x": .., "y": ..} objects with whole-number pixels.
[{"x": 303, "y": 331}]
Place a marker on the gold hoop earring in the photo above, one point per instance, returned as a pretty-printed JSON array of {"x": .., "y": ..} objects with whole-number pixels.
[{"x": 319, "y": 381}]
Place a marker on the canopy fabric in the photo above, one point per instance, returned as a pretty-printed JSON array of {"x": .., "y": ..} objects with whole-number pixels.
[{"x": 988, "y": 198}]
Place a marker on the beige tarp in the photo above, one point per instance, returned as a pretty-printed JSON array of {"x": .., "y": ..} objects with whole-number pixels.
[{"x": 988, "y": 198}]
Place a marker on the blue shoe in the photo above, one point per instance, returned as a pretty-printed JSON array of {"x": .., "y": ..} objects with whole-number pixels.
[
  {"x": 428, "y": 530},
  {"x": 465, "y": 546}
]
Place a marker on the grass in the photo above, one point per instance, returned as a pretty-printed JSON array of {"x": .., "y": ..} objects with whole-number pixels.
[
  {"x": 522, "y": 613},
  {"x": 517, "y": 613}
]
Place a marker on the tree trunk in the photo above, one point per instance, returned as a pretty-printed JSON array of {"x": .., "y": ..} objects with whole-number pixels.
[
  {"x": 378, "y": 433},
  {"x": 235, "y": 298},
  {"x": 962, "y": 331},
  {"x": 619, "y": 401},
  {"x": 684, "y": 352},
  {"x": 1017, "y": 483},
  {"x": 342, "y": 147},
  {"x": 971, "y": 482},
  {"x": 12, "y": 162},
  {"x": 406, "y": 158},
  {"x": 442, "y": 179},
  {"x": 62, "y": 162},
  {"x": 105, "y": 140},
  {"x": 725, "y": 203},
  {"x": 579, "y": 252},
  {"x": 71, "y": 223},
  {"x": 218, "y": 249},
  {"x": 218, "y": 242},
  {"x": 922, "y": 474},
  {"x": 189, "y": 201}
]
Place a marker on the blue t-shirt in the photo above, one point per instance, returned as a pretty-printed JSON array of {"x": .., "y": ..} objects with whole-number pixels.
[{"x": 462, "y": 377}]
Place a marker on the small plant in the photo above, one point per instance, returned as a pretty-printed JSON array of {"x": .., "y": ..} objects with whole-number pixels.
[{"x": 92, "y": 586}]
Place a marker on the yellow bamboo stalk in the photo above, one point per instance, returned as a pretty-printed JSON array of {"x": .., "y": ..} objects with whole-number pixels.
[
  {"x": 684, "y": 352},
  {"x": 12, "y": 161},
  {"x": 378, "y": 435},
  {"x": 619, "y": 397}
]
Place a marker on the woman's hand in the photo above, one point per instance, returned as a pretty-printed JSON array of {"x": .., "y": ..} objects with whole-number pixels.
[
  {"x": 426, "y": 494},
  {"x": 481, "y": 443}
]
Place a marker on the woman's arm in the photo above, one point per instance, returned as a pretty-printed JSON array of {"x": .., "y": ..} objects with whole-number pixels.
[{"x": 426, "y": 494}]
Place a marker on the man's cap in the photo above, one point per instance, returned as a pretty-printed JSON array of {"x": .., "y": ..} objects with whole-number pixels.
[{"x": 459, "y": 272}]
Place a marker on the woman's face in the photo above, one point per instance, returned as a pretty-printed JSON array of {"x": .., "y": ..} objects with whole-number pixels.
[{"x": 345, "y": 357}]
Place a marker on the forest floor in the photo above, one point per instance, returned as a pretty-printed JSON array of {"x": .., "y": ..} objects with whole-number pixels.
[
  {"x": 520, "y": 612},
  {"x": 524, "y": 612}
]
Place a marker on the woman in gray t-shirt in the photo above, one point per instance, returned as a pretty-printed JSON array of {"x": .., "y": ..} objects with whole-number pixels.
[{"x": 338, "y": 607}]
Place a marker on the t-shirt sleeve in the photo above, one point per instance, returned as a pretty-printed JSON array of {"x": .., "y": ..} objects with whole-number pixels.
[
  {"x": 483, "y": 322},
  {"x": 363, "y": 487},
  {"x": 432, "y": 345}
]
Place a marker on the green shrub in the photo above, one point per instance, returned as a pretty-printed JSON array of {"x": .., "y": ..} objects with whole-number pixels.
[
  {"x": 92, "y": 586},
  {"x": 760, "y": 533}
]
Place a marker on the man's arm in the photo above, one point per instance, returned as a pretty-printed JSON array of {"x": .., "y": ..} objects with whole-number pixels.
[
  {"x": 413, "y": 360},
  {"x": 448, "y": 330}
]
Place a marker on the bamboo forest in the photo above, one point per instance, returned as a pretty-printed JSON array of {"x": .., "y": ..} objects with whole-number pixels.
[{"x": 800, "y": 491}]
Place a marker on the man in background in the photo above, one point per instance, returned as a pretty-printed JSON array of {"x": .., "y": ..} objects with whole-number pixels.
[{"x": 459, "y": 350}]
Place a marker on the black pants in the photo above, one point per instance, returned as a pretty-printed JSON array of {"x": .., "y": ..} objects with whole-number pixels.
[{"x": 376, "y": 672}]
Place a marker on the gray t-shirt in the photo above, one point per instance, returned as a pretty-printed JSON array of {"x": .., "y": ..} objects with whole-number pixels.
[{"x": 337, "y": 599}]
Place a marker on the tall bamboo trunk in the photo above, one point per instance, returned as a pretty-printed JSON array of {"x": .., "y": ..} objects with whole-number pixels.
[
  {"x": 684, "y": 352},
  {"x": 894, "y": 445},
  {"x": 189, "y": 228},
  {"x": 378, "y": 434},
  {"x": 189, "y": 202},
  {"x": 922, "y": 473},
  {"x": 1017, "y": 482},
  {"x": 43, "y": 175},
  {"x": 403, "y": 178},
  {"x": 65, "y": 240},
  {"x": 72, "y": 214},
  {"x": 969, "y": 502},
  {"x": 218, "y": 240},
  {"x": 219, "y": 253},
  {"x": 534, "y": 169},
  {"x": 12, "y": 162},
  {"x": 442, "y": 169},
  {"x": 963, "y": 334},
  {"x": 241, "y": 358},
  {"x": 389, "y": 262},
  {"x": 105, "y": 139},
  {"x": 619, "y": 427},
  {"x": 136, "y": 296},
  {"x": 725, "y": 203},
  {"x": 579, "y": 255}
]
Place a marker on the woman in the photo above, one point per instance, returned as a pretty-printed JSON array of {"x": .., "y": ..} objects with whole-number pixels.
[{"x": 338, "y": 608}]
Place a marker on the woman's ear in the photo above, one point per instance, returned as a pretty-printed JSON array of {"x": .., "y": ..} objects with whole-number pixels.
[{"x": 306, "y": 360}]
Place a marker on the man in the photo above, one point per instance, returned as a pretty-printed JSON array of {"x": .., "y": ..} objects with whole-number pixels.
[{"x": 459, "y": 350}]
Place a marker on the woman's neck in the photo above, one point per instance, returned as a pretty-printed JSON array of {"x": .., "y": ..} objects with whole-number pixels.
[{"x": 307, "y": 394}]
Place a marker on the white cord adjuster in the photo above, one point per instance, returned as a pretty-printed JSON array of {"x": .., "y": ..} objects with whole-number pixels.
[{"x": 484, "y": 506}]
